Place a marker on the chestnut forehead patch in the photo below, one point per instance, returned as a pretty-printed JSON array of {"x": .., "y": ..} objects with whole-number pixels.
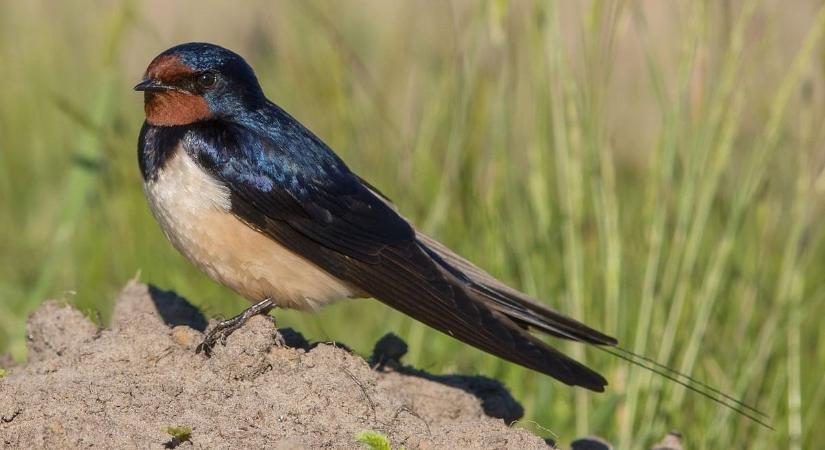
[{"x": 167, "y": 68}]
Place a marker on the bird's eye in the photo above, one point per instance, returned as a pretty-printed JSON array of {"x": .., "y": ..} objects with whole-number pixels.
[{"x": 207, "y": 80}]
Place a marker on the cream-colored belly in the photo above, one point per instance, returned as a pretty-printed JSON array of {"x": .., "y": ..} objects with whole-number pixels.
[{"x": 194, "y": 212}]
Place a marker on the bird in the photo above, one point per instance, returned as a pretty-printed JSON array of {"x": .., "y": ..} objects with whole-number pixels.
[{"x": 263, "y": 206}]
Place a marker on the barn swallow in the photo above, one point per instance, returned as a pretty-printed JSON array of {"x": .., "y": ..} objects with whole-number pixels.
[{"x": 263, "y": 206}]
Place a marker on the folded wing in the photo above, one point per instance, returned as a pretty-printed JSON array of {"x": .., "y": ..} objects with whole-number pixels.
[{"x": 326, "y": 214}]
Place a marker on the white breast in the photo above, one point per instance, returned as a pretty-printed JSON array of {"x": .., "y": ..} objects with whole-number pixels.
[{"x": 194, "y": 212}]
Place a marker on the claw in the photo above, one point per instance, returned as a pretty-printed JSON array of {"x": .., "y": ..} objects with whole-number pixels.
[{"x": 223, "y": 329}]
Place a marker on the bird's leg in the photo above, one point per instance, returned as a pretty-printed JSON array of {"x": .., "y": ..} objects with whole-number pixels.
[{"x": 223, "y": 329}]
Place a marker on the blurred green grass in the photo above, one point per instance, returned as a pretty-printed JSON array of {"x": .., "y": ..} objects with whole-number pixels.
[{"x": 654, "y": 168}]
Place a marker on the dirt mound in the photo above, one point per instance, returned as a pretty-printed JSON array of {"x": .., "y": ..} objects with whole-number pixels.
[{"x": 123, "y": 387}]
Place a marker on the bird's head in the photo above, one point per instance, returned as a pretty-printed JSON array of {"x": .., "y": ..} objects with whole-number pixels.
[{"x": 195, "y": 82}]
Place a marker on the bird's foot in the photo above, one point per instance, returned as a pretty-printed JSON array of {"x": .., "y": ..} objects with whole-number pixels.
[{"x": 223, "y": 329}]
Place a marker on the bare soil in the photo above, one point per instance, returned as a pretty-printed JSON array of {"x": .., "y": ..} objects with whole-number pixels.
[{"x": 123, "y": 386}]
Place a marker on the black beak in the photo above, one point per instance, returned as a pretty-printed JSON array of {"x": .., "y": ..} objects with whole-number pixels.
[{"x": 152, "y": 85}]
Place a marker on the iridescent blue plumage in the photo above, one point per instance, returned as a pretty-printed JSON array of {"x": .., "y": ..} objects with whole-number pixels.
[{"x": 292, "y": 176}]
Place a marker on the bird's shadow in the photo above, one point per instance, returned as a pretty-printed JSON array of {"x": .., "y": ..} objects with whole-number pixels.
[
  {"x": 175, "y": 310},
  {"x": 496, "y": 400}
]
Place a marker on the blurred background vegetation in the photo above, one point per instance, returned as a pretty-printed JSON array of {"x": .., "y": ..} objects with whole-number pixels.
[{"x": 653, "y": 168}]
